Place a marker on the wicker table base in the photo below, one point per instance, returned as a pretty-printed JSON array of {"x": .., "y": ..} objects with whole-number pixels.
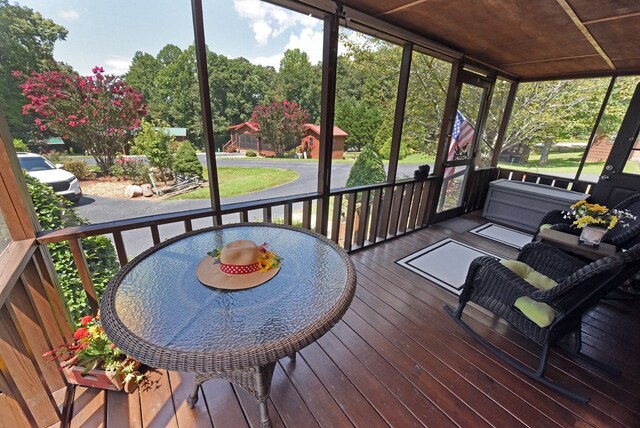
[{"x": 255, "y": 380}]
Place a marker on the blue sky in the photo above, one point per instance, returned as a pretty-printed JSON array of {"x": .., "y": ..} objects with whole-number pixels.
[{"x": 109, "y": 33}]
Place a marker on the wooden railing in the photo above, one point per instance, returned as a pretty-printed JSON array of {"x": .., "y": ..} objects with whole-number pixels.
[
  {"x": 358, "y": 217},
  {"x": 549, "y": 180},
  {"x": 32, "y": 321}
]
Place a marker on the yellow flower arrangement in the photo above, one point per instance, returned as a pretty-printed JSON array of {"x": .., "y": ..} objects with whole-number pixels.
[
  {"x": 267, "y": 259},
  {"x": 586, "y": 214}
]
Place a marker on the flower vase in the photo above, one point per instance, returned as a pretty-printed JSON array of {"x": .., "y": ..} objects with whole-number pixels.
[
  {"x": 98, "y": 378},
  {"x": 592, "y": 235}
]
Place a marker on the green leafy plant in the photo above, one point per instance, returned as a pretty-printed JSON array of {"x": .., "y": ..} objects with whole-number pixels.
[
  {"x": 186, "y": 162},
  {"x": 153, "y": 142},
  {"x": 250, "y": 154},
  {"x": 133, "y": 170},
  {"x": 78, "y": 168},
  {"x": 55, "y": 212},
  {"x": 20, "y": 145}
]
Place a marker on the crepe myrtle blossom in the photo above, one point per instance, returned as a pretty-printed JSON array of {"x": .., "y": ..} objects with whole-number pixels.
[{"x": 100, "y": 112}]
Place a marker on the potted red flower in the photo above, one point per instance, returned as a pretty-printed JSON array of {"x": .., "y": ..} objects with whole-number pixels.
[{"x": 93, "y": 360}]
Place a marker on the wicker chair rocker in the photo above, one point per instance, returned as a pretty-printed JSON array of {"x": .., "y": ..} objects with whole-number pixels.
[
  {"x": 622, "y": 236},
  {"x": 496, "y": 288}
]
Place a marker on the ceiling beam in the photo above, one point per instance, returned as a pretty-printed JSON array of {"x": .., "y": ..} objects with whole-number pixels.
[
  {"x": 537, "y": 61},
  {"x": 403, "y": 7},
  {"x": 569, "y": 11},
  {"x": 612, "y": 18}
]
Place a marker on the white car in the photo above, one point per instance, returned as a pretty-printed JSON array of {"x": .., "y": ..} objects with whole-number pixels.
[{"x": 62, "y": 182}]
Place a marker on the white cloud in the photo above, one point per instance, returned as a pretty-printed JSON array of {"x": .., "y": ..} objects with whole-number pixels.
[
  {"x": 309, "y": 41},
  {"x": 268, "y": 21},
  {"x": 273, "y": 60},
  {"x": 262, "y": 31},
  {"x": 117, "y": 65},
  {"x": 68, "y": 15}
]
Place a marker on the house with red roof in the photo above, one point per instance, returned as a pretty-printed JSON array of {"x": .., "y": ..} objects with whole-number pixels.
[{"x": 246, "y": 136}]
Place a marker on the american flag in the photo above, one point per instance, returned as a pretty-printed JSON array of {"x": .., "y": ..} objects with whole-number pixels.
[{"x": 460, "y": 138}]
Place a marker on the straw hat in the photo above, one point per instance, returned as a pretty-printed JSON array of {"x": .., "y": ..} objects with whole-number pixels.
[{"x": 237, "y": 267}]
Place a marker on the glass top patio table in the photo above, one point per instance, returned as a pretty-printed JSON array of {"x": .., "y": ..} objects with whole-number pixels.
[{"x": 158, "y": 312}]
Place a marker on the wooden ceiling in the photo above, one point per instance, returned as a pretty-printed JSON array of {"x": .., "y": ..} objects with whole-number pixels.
[{"x": 528, "y": 39}]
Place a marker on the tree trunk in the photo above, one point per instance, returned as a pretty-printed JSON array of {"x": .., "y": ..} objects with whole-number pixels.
[{"x": 544, "y": 155}]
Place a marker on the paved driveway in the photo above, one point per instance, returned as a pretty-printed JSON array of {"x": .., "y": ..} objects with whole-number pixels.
[{"x": 99, "y": 209}]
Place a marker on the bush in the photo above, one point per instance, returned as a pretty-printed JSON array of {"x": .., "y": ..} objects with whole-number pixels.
[
  {"x": 156, "y": 145},
  {"x": 53, "y": 156},
  {"x": 78, "y": 168},
  {"x": 385, "y": 151},
  {"x": 186, "y": 162},
  {"x": 20, "y": 145},
  {"x": 367, "y": 169},
  {"x": 133, "y": 170},
  {"x": 55, "y": 212},
  {"x": 251, "y": 154}
]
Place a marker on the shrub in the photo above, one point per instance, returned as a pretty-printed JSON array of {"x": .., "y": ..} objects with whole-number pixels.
[
  {"x": 78, "y": 168},
  {"x": 251, "y": 154},
  {"x": 20, "y": 145},
  {"x": 133, "y": 170},
  {"x": 55, "y": 212},
  {"x": 367, "y": 169},
  {"x": 53, "y": 156},
  {"x": 186, "y": 162},
  {"x": 153, "y": 142},
  {"x": 385, "y": 151}
]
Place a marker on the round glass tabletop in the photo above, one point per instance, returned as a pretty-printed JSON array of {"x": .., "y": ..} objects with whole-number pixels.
[{"x": 158, "y": 301}]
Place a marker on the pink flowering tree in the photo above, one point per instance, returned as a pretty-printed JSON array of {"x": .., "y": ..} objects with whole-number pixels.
[
  {"x": 99, "y": 112},
  {"x": 281, "y": 124}
]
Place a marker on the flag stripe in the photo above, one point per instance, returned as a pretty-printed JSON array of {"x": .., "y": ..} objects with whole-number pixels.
[{"x": 461, "y": 136}]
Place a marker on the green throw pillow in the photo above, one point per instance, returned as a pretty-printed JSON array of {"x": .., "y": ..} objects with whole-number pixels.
[
  {"x": 526, "y": 272},
  {"x": 545, "y": 227},
  {"x": 538, "y": 312}
]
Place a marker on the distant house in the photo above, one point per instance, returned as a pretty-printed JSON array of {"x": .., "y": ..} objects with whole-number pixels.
[
  {"x": 516, "y": 154},
  {"x": 246, "y": 136},
  {"x": 311, "y": 141},
  {"x": 600, "y": 149}
]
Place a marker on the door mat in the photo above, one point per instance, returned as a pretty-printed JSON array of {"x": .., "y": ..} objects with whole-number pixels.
[
  {"x": 444, "y": 263},
  {"x": 502, "y": 234}
]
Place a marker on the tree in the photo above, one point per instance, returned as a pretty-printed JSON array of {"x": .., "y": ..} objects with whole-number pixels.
[
  {"x": 99, "y": 112},
  {"x": 281, "y": 124},
  {"x": 300, "y": 81},
  {"x": 237, "y": 86},
  {"x": 177, "y": 99},
  {"x": 360, "y": 120},
  {"x": 142, "y": 74},
  {"x": 367, "y": 169},
  {"x": 155, "y": 143},
  {"x": 26, "y": 44},
  {"x": 186, "y": 162}
]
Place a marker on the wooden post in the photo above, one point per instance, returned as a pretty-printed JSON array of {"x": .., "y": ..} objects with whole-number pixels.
[
  {"x": 327, "y": 107},
  {"x": 205, "y": 105}
]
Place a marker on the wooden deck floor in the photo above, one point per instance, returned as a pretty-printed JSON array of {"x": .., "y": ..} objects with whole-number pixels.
[{"x": 396, "y": 359}]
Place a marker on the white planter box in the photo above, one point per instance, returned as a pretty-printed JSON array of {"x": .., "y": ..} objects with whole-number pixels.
[{"x": 522, "y": 205}]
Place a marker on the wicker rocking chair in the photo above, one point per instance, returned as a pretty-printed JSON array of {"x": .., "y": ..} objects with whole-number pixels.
[
  {"x": 579, "y": 287},
  {"x": 620, "y": 236}
]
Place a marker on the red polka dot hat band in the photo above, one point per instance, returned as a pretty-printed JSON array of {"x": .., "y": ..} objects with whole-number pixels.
[{"x": 239, "y": 269}]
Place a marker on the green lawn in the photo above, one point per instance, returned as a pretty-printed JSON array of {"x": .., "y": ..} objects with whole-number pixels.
[
  {"x": 558, "y": 162},
  {"x": 236, "y": 181}
]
